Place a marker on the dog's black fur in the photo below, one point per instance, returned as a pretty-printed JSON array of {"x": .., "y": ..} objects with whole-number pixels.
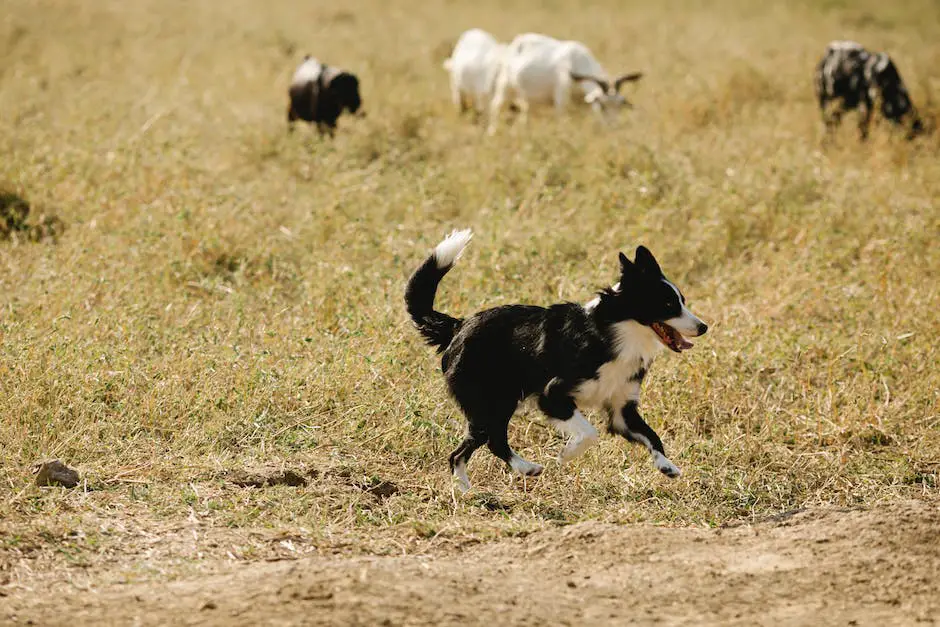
[
  {"x": 494, "y": 359},
  {"x": 320, "y": 95},
  {"x": 857, "y": 79}
]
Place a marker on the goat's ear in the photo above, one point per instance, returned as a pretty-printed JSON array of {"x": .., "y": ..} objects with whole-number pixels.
[
  {"x": 645, "y": 261},
  {"x": 627, "y": 78}
]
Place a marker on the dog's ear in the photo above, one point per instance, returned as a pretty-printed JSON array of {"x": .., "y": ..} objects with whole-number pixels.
[
  {"x": 645, "y": 261},
  {"x": 625, "y": 264}
]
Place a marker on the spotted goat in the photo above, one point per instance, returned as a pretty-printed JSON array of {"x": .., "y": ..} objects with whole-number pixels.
[{"x": 850, "y": 77}]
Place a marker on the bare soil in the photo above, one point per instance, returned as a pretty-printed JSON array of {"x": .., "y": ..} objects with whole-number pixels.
[{"x": 865, "y": 567}]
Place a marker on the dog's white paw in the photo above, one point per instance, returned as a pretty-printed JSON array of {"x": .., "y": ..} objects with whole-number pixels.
[
  {"x": 576, "y": 447},
  {"x": 524, "y": 467},
  {"x": 461, "y": 480},
  {"x": 665, "y": 466},
  {"x": 581, "y": 435}
]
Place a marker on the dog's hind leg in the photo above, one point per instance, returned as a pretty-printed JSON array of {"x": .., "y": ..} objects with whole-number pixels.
[
  {"x": 562, "y": 414},
  {"x": 629, "y": 424},
  {"x": 461, "y": 455}
]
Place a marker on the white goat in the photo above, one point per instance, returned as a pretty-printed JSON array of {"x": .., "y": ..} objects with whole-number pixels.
[
  {"x": 538, "y": 69},
  {"x": 473, "y": 66}
]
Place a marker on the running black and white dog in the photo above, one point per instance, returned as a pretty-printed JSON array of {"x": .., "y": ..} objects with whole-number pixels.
[
  {"x": 850, "y": 77},
  {"x": 568, "y": 356}
]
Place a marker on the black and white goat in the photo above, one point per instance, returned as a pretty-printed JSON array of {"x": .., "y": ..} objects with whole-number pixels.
[
  {"x": 860, "y": 79},
  {"x": 319, "y": 93}
]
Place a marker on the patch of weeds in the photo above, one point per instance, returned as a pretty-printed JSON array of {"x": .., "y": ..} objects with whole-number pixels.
[
  {"x": 15, "y": 220},
  {"x": 424, "y": 530},
  {"x": 926, "y": 478},
  {"x": 340, "y": 17},
  {"x": 871, "y": 436},
  {"x": 556, "y": 515},
  {"x": 442, "y": 50},
  {"x": 379, "y": 488},
  {"x": 490, "y": 503},
  {"x": 865, "y": 19},
  {"x": 207, "y": 264},
  {"x": 286, "y": 45},
  {"x": 409, "y": 125},
  {"x": 367, "y": 148},
  {"x": 743, "y": 89},
  {"x": 425, "y": 425},
  {"x": 292, "y": 478}
]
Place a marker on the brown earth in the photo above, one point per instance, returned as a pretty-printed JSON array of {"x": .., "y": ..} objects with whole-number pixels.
[{"x": 850, "y": 567}]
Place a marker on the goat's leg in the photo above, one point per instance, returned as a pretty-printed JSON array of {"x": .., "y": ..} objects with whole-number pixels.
[
  {"x": 522, "y": 106},
  {"x": 456, "y": 97},
  {"x": 864, "y": 118},
  {"x": 291, "y": 117},
  {"x": 560, "y": 97},
  {"x": 496, "y": 104},
  {"x": 495, "y": 107}
]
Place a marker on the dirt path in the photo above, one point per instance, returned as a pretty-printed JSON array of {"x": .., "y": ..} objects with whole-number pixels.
[{"x": 880, "y": 566}]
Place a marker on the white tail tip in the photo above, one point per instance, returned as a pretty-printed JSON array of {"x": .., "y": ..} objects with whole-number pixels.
[{"x": 449, "y": 250}]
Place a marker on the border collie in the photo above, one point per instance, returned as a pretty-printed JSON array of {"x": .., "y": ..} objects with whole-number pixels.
[{"x": 566, "y": 355}]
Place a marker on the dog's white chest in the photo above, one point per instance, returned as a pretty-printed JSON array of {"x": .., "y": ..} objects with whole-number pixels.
[{"x": 616, "y": 383}]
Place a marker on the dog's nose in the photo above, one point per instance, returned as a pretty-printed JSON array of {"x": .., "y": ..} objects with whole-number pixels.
[{"x": 702, "y": 327}]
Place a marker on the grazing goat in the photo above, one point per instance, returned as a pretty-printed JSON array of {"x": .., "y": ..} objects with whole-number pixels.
[
  {"x": 473, "y": 66},
  {"x": 319, "y": 94},
  {"x": 859, "y": 79},
  {"x": 538, "y": 69}
]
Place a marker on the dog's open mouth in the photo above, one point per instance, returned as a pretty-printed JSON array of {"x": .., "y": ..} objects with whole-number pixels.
[{"x": 670, "y": 337}]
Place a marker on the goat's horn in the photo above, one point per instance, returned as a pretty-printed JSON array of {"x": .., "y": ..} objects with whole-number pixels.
[
  {"x": 627, "y": 78},
  {"x": 582, "y": 77}
]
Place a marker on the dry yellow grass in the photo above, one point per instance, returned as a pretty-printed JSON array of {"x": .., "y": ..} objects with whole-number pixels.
[{"x": 226, "y": 296}]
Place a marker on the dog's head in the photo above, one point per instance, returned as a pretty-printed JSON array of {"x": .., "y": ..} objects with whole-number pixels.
[{"x": 648, "y": 297}]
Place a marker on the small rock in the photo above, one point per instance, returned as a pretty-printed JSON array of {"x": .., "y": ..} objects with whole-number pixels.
[
  {"x": 209, "y": 605},
  {"x": 55, "y": 473}
]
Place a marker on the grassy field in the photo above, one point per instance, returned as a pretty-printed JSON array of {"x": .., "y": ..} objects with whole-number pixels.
[{"x": 226, "y": 299}]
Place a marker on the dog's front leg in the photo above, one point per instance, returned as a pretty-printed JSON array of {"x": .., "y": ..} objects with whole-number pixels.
[
  {"x": 556, "y": 402},
  {"x": 628, "y": 423}
]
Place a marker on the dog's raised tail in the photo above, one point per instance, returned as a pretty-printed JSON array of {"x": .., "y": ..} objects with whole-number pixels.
[{"x": 436, "y": 327}]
